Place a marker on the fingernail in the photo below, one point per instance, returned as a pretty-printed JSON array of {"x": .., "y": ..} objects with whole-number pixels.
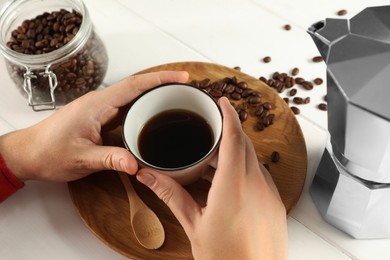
[{"x": 146, "y": 178}]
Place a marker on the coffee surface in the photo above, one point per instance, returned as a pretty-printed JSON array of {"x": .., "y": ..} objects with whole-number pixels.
[{"x": 175, "y": 138}]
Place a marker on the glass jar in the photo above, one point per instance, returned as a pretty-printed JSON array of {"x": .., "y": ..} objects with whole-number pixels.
[{"x": 51, "y": 50}]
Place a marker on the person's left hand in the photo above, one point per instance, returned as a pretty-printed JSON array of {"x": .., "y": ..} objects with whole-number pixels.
[{"x": 68, "y": 145}]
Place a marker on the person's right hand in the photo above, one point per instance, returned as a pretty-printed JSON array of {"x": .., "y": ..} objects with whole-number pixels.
[{"x": 244, "y": 217}]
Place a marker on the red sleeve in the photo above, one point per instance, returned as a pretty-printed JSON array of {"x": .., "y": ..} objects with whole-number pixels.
[{"x": 9, "y": 184}]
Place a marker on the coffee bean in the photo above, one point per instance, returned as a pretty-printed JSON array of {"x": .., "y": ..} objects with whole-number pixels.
[
  {"x": 306, "y": 100},
  {"x": 318, "y": 81},
  {"x": 323, "y": 107},
  {"x": 271, "y": 118},
  {"x": 270, "y": 82},
  {"x": 307, "y": 85},
  {"x": 299, "y": 80},
  {"x": 229, "y": 89},
  {"x": 242, "y": 85},
  {"x": 259, "y": 110},
  {"x": 254, "y": 100},
  {"x": 275, "y": 157},
  {"x": 298, "y": 100},
  {"x": 247, "y": 93},
  {"x": 266, "y": 121},
  {"x": 317, "y": 59},
  {"x": 204, "y": 83},
  {"x": 259, "y": 126},
  {"x": 267, "y": 106},
  {"x": 295, "y": 110},
  {"x": 264, "y": 114},
  {"x": 235, "y": 96},
  {"x": 237, "y": 68},
  {"x": 267, "y": 59},
  {"x": 287, "y": 27},
  {"x": 341, "y": 12},
  {"x": 287, "y": 100},
  {"x": 280, "y": 88},
  {"x": 195, "y": 83},
  {"x": 216, "y": 93},
  {"x": 293, "y": 92},
  {"x": 289, "y": 82},
  {"x": 263, "y": 79},
  {"x": 295, "y": 71},
  {"x": 238, "y": 90},
  {"x": 243, "y": 115}
]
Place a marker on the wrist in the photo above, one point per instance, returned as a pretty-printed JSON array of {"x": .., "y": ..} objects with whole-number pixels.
[{"x": 15, "y": 154}]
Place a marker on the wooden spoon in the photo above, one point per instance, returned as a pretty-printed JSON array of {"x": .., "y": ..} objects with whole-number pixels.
[{"x": 146, "y": 225}]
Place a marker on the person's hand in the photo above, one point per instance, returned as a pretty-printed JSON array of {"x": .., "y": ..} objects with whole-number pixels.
[
  {"x": 244, "y": 217},
  {"x": 68, "y": 145}
]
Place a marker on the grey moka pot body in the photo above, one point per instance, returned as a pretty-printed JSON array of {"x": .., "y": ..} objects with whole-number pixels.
[{"x": 351, "y": 187}]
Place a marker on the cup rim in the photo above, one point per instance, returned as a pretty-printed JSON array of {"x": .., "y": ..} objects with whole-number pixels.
[{"x": 211, "y": 151}]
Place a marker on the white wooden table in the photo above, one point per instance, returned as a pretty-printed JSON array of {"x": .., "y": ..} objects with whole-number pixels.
[{"x": 40, "y": 221}]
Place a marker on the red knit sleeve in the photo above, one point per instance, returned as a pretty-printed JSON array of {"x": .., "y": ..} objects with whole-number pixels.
[{"x": 9, "y": 183}]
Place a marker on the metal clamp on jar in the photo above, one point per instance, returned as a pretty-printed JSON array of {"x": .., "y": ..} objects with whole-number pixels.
[{"x": 51, "y": 50}]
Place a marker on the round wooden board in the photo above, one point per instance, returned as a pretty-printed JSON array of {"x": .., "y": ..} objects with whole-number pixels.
[{"x": 102, "y": 202}]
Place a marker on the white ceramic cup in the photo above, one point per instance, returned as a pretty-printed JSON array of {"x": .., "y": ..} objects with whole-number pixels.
[{"x": 167, "y": 97}]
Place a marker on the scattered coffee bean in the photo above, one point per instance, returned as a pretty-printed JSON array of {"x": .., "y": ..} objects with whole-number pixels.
[
  {"x": 254, "y": 100},
  {"x": 258, "y": 110},
  {"x": 275, "y": 157},
  {"x": 242, "y": 85},
  {"x": 263, "y": 79},
  {"x": 341, "y": 12},
  {"x": 217, "y": 93},
  {"x": 299, "y": 80},
  {"x": 295, "y": 71},
  {"x": 306, "y": 100},
  {"x": 243, "y": 115},
  {"x": 307, "y": 85},
  {"x": 293, "y": 92},
  {"x": 267, "y": 105},
  {"x": 317, "y": 59},
  {"x": 298, "y": 100},
  {"x": 287, "y": 100},
  {"x": 267, "y": 59},
  {"x": 318, "y": 81},
  {"x": 295, "y": 110},
  {"x": 287, "y": 27},
  {"x": 323, "y": 107},
  {"x": 259, "y": 126},
  {"x": 237, "y": 68}
]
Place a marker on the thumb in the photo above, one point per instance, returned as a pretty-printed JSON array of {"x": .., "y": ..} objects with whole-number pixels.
[
  {"x": 182, "y": 205},
  {"x": 111, "y": 158}
]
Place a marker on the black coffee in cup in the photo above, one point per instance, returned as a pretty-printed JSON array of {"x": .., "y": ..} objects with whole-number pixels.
[{"x": 175, "y": 138}]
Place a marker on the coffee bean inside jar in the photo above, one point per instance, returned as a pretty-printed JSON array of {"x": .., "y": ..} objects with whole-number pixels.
[{"x": 54, "y": 56}]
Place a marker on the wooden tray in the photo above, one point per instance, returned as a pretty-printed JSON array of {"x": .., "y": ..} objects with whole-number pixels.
[{"x": 101, "y": 199}]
